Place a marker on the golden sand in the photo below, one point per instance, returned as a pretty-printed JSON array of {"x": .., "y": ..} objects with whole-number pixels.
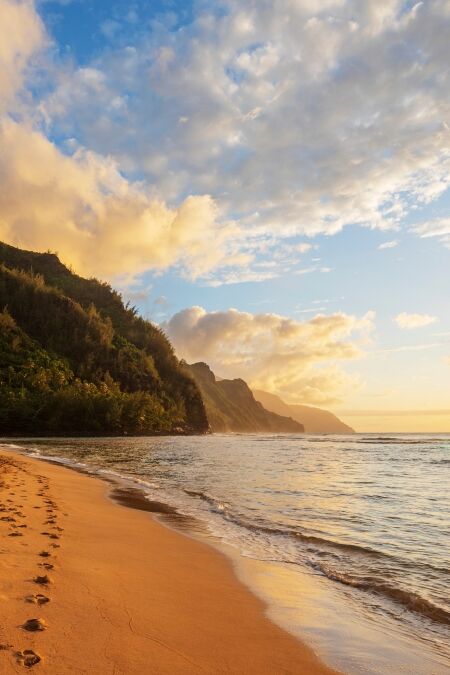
[{"x": 89, "y": 586}]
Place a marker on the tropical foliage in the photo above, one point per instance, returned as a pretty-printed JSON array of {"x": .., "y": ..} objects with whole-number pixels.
[{"x": 74, "y": 359}]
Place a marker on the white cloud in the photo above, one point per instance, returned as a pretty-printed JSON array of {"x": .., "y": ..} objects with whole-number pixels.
[
  {"x": 409, "y": 348},
  {"x": 439, "y": 227},
  {"x": 302, "y": 117},
  {"x": 298, "y": 360},
  {"x": 388, "y": 244},
  {"x": 22, "y": 35},
  {"x": 304, "y": 247},
  {"x": 279, "y": 119},
  {"x": 408, "y": 321},
  {"x": 80, "y": 204},
  {"x": 310, "y": 270}
]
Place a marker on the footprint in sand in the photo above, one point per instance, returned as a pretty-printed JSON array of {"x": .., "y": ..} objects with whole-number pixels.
[
  {"x": 15, "y": 534},
  {"x": 51, "y": 535},
  {"x": 28, "y": 658},
  {"x": 37, "y": 599},
  {"x": 47, "y": 566},
  {"x": 44, "y": 554},
  {"x": 42, "y": 580},
  {"x": 33, "y": 625}
]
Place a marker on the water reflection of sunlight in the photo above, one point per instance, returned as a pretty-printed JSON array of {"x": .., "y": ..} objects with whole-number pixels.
[{"x": 332, "y": 621}]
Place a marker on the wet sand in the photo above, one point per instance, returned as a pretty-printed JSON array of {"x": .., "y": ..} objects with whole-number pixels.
[{"x": 88, "y": 585}]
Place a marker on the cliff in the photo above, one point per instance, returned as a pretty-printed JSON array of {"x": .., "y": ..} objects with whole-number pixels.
[
  {"x": 75, "y": 360},
  {"x": 315, "y": 420},
  {"x": 231, "y": 406}
]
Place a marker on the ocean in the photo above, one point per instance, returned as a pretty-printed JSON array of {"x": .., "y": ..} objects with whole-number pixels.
[{"x": 346, "y": 538}]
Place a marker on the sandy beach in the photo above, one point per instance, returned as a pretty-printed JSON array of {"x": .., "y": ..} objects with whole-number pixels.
[{"x": 90, "y": 586}]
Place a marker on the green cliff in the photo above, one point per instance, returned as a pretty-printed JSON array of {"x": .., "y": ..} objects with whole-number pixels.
[
  {"x": 231, "y": 406},
  {"x": 75, "y": 360}
]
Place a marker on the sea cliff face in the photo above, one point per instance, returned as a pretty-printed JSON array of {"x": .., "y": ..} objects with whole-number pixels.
[
  {"x": 75, "y": 360},
  {"x": 314, "y": 419},
  {"x": 231, "y": 406}
]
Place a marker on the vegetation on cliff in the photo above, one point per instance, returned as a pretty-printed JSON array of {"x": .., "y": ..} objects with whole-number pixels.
[
  {"x": 231, "y": 406},
  {"x": 75, "y": 360}
]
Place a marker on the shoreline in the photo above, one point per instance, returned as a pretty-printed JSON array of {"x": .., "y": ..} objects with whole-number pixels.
[{"x": 127, "y": 594}]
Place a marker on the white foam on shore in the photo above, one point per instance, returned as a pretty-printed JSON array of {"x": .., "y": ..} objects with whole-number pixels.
[{"x": 298, "y": 599}]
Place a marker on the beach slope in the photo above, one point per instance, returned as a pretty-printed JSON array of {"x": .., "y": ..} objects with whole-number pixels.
[{"x": 114, "y": 591}]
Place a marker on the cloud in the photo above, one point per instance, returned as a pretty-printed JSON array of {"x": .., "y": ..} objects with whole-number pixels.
[
  {"x": 166, "y": 152},
  {"x": 409, "y": 348},
  {"x": 408, "y": 321},
  {"x": 439, "y": 227},
  {"x": 94, "y": 218},
  {"x": 392, "y": 413},
  {"x": 79, "y": 203},
  {"x": 316, "y": 268},
  {"x": 304, "y": 247},
  {"x": 22, "y": 36},
  {"x": 298, "y": 360},
  {"x": 388, "y": 244},
  {"x": 357, "y": 93}
]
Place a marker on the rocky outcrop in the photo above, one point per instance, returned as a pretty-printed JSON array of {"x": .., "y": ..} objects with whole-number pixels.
[
  {"x": 315, "y": 420},
  {"x": 232, "y": 407}
]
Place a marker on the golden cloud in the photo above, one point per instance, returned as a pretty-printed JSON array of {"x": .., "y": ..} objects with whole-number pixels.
[
  {"x": 79, "y": 204},
  {"x": 408, "y": 321},
  {"x": 82, "y": 207},
  {"x": 95, "y": 219},
  {"x": 297, "y": 360},
  {"x": 21, "y": 35}
]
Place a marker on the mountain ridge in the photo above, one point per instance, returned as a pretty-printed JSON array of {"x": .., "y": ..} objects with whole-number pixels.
[
  {"x": 315, "y": 420},
  {"x": 121, "y": 373},
  {"x": 231, "y": 406}
]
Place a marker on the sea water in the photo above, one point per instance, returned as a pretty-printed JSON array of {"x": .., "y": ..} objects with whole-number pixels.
[{"x": 346, "y": 538}]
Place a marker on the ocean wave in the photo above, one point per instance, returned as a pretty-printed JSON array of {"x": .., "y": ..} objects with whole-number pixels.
[
  {"x": 316, "y": 545},
  {"x": 407, "y": 599},
  {"x": 354, "y": 439},
  {"x": 395, "y": 440},
  {"x": 223, "y": 508},
  {"x": 217, "y": 504}
]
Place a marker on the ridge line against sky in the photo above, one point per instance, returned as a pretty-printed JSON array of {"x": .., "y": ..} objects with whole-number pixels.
[{"x": 290, "y": 160}]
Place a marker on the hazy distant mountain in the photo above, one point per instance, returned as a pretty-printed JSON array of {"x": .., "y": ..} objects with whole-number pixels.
[
  {"x": 315, "y": 420},
  {"x": 231, "y": 406}
]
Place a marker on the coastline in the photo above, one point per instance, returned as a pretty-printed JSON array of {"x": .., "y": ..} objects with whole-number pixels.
[{"x": 127, "y": 594}]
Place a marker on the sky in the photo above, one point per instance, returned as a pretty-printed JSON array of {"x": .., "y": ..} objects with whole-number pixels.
[{"x": 267, "y": 180}]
